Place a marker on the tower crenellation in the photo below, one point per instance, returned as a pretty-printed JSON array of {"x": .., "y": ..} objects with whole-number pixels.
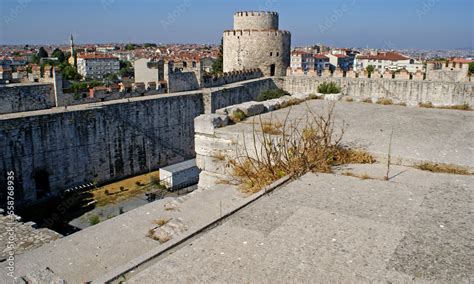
[{"x": 256, "y": 20}]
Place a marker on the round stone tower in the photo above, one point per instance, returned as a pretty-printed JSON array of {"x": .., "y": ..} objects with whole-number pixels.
[{"x": 256, "y": 42}]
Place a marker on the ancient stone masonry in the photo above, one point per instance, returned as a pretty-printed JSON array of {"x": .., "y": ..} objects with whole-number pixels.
[
  {"x": 256, "y": 42},
  {"x": 26, "y": 97},
  {"x": 238, "y": 93},
  {"x": 435, "y": 72},
  {"x": 411, "y": 92},
  {"x": 28, "y": 236},
  {"x": 230, "y": 77},
  {"x": 51, "y": 152},
  {"x": 450, "y": 71},
  {"x": 54, "y": 150}
]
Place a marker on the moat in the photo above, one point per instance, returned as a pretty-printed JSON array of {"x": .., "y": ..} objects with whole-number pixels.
[{"x": 76, "y": 211}]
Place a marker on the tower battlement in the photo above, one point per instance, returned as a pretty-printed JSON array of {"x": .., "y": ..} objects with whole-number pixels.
[
  {"x": 259, "y": 32},
  {"x": 255, "y": 13},
  {"x": 256, "y": 20}
]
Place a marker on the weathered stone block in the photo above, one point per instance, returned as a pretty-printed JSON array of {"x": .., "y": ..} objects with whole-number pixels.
[
  {"x": 333, "y": 97},
  {"x": 212, "y": 164},
  {"x": 206, "y": 124},
  {"x": 210, "y": 146},
  {"x": 284, "y": 99},
  {"x": 249, "y": 109},
  {"x": 271, "y": 105}
]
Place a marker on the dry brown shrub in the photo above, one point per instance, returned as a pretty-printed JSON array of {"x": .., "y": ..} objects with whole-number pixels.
[
  {"x": 457, "y": 107},
  {"x": 160, "y": 236},
  {"x": 384, "y": 101},
  {"x": 426, "y": 105},
  {"x": 237, "y": 116},
  {"x": 443, "y": 168},
  {"x": 161, "y": 222},
  {"x": 273, "y": 128},
  {"x": 308, "y": 144},
  {"x": 361, "y": 176}
]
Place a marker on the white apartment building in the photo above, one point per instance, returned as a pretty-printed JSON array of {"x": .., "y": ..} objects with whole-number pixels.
[
  {"x": 392, "y": 61},
  {"x": 303, "y": 60},
  {"x": 96, "y": 66}
]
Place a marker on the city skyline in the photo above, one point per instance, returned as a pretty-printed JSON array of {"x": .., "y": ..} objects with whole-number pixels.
[{"x": 355, "y": 23}]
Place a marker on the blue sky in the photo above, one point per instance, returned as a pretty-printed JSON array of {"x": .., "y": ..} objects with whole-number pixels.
[{"x": 435, "y": 24}]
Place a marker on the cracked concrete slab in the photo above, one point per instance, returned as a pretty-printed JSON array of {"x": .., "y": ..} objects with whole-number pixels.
[{"x": 332, "y": 228}]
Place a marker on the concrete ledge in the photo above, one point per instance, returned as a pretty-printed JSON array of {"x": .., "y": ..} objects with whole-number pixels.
[{"x": 133, "y": 264}]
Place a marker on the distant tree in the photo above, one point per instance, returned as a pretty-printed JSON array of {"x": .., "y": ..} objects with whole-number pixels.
[
  {"x": 42, "y": 53},
  {"x": 471, "y": 68},
  {"x": 34, "y": 59},
  {"x": 109, "y": 79},
  {"x": 16, "y": 54},
  {"x": 59, "y": 54},
  {"x": 148, "y": 45},
  {"x": 69, "y": 72},
  {"x": 218, "y": 64},
  {"x": 370, "y": 69},
  {"x": 126, "y": 69},
  {"x": 125, "y": 64},
  {"x": 130, "y": 47}
]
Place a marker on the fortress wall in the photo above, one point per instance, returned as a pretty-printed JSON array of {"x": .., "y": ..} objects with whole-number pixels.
[
  {"x": 68, "y": 99},
  {"x": 96, "y": 143},
  {"x": 244, "y": 92},
  {"x": 15, "y": 98},
  {"x": 182, "y": 82},
  {"x": 407, "y": 91},
  {"x": 230, "y": 77},
  {"x": 104, "y": 142}
]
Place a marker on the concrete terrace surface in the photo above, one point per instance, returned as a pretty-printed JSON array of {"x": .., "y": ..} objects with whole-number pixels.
[
  {"x": 95, "y": 251},
  {"x": 419, "y": 134},
  {"x": 325, "y": 228}
]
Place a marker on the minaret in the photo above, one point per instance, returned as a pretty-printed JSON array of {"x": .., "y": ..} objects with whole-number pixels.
[
  {"x": 72, "y": 44},
  {"x": 72, "y": 59}
]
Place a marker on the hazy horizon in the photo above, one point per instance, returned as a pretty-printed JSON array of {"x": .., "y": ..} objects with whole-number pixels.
[{"x": 420, "y": 24}]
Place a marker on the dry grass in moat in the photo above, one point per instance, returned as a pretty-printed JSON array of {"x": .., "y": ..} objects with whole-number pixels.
[{"x": 124, "y": 189}]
